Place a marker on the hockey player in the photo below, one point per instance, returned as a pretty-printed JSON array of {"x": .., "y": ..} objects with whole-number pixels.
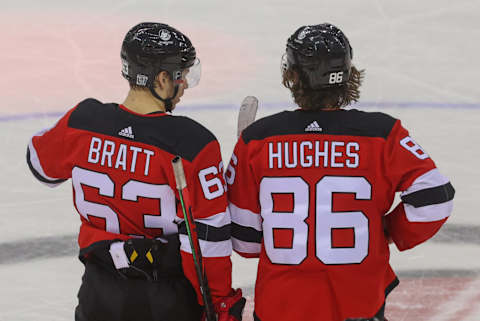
[
  {"x": 310, "y": 192},
  {"x": 138, "y": 262}
]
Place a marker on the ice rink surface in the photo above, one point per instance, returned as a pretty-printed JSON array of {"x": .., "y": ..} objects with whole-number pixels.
[{"x": 421, "y": 61}]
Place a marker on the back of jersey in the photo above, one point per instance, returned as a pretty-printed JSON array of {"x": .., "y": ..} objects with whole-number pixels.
[
  {"x": 124, "y": 185},
  {"x": 120, "y": 165},
  {"x": 308, "y": 194}
]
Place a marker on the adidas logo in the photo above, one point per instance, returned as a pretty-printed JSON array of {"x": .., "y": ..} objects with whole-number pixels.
[
  {"x": 126, "y": 132},
  {"x": 313, "y": 127}
]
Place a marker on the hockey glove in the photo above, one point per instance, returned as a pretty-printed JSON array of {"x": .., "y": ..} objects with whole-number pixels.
[{"x": 230, "y": 308}]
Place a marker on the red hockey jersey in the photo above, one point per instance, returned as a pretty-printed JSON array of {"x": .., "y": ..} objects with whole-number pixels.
[
  {"x": 309, "y": 194},
  {"x": 123, "y": 181}
]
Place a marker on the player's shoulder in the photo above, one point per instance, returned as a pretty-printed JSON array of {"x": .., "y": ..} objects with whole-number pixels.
[
  {"x": 190, "y": 136},
  {"x": 89, "y": 109},
  {"x": 178, "y": 135},
  {"x": 266, "y": 126},
  {"x": 92, "y": 105},
  {"x": 380, "y": 117},
  {"x": 374, "y": 124},
  {"x": 350, "y": 122},
  {"x": 192, "y": 128}
]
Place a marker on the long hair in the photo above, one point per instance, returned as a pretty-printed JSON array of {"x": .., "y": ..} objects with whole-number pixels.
[{"x": 329, "y": 97}]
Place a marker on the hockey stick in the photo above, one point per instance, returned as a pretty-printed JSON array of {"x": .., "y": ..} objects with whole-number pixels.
[
  {"x": 181, "y": 183},
  {"x": 247, "y": 113}
]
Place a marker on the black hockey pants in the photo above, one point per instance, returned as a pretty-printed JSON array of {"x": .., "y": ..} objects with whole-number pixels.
[{"x": 147, "y": 292}]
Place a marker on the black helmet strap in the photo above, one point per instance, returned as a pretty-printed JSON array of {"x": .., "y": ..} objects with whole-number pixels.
[{"x": 166, "y": 101}]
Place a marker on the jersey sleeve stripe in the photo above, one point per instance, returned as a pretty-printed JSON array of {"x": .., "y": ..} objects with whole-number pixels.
[
  {"x": 217, "y": 220},
  {"x": 208, "y": 232},
  {"x": 245, "y": 217},
  {"x": 432, "y": 178},
  {"x": 209, "y": 249},
  {"x": 215, "y": 228},
  {"x": 246, "y": 247},
  {"x": 247, "y": 234},
  {"x": 429, "y": 213},
  {"x": 429, "y": 189},
  {"x": 37, "y": 170},
  {"x": 430, "y": 196}
]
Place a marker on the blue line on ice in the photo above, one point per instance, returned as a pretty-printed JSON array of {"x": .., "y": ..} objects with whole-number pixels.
[{"x": 279, "y": 106}]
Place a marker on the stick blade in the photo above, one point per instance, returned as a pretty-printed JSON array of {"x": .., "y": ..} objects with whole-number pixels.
[{"x": 247, "y": 113}]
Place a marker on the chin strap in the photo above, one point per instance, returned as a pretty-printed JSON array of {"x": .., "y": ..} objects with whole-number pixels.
[{"x": 167, "y": 101}]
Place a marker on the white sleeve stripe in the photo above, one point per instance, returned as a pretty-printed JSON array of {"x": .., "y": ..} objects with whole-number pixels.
[
  {"x": 429, "y": 213},
  {"x": 246, "y": 247},
  {"x": 432, "y": 178},
  {"x": 245, "y": 217},
  {"x": 209, "y": 249},
  {"x": 217, "y": 220},
  {"x": 35, "y": 162}
]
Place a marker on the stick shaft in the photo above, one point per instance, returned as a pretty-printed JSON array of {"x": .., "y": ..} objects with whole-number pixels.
[{"x": 193, "y": 237}]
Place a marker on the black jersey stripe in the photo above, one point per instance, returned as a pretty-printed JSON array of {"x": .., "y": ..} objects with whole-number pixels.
[
  {"x": 177, "y": 135},
  {"x": 38, "y": 175},
  {"x": 207, "y": 232},
  {"x": 246, "y": 234},
  {"x": 430, "y": 196},
  {"x": 340, "y": 122},
  {"x": 392, "y": 286}
]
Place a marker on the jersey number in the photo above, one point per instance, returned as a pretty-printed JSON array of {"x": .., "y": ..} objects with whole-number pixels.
[
  {"x": 409, "y": 144},
  {"x": 325, "y": 219},
  {"x": 213, "y": 187},
  {"x": 131, "y": 191}
]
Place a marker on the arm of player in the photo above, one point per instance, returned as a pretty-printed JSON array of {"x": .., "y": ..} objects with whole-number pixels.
[
  {"x": 45, "y": 154},
  {"x": 427, "y": 195},
  {"x": 204, "y": 177},
  {"x": 244, "y": 203}
]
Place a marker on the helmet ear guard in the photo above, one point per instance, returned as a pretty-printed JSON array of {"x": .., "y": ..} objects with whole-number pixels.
[{"x": 322, "y": 54}]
